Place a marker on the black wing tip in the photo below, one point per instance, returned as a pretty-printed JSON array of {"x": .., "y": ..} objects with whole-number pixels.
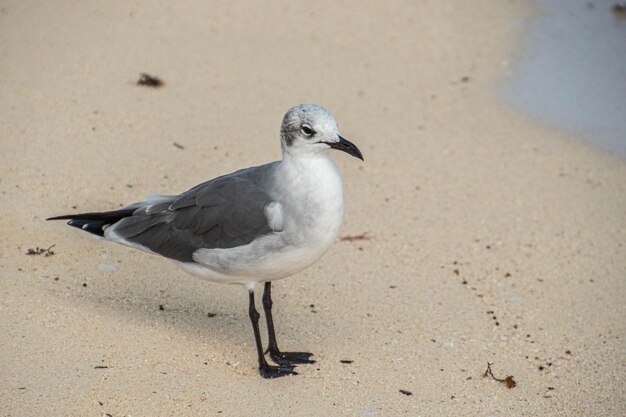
[
  {"x": 93, "y": 226},
  {"x": 94, "y": 223},
  {"x": 63, "y": 217}
]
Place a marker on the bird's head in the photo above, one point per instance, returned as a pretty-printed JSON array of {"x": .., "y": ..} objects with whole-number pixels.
[{"x": 309, "y": 129}]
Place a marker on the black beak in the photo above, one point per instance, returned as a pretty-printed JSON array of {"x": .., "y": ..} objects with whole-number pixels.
[{"x": 346, "y": 146}]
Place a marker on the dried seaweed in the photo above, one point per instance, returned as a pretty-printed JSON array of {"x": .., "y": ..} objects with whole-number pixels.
[
  {"x": 508, "y": 381},
  {"x": 40, "y": 251}
]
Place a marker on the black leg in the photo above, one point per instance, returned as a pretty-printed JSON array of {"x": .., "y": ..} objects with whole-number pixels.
[
  {"x": 266, "y": 370},
  {"x": 282, "y": 358}
]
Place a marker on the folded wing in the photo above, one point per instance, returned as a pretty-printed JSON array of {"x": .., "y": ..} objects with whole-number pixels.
[{"x": 226, "y": 212}]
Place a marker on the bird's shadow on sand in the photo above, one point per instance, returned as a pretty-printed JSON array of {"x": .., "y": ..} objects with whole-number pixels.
[{"x": 158, "y": 294}]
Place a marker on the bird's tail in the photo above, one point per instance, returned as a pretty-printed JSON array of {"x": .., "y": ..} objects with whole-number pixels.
[{"x": 95, "y": 223}]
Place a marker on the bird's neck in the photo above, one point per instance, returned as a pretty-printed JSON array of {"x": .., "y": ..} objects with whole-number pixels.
[
  {"x": 316, "y": 181},
  {"x": 317, "y": 171}
]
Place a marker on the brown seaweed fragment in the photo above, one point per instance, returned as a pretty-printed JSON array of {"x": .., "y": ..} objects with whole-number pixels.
[
  {"x": 508, "y": 381},
  {"x": 40, "y": 251}
]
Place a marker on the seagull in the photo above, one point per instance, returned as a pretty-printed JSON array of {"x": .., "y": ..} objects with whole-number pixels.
[{"x": 254, "y": 225}]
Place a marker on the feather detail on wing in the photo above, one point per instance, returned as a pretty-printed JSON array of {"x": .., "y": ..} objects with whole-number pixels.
[{"x": 225, "y": 212}]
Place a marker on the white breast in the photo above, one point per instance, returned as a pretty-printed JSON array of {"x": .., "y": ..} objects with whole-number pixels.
[
  {"x": 314, "y": 205},
  {"x": 310, "y": 193}
]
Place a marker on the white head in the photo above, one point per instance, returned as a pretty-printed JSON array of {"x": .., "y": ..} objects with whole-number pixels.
[{"x": 309, "y": 129}]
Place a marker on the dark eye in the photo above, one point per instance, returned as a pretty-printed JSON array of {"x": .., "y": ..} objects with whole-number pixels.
[{"x": 306, "y": 129}]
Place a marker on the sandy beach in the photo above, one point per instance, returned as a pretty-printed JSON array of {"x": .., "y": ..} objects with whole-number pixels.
[{"x": 490, "y": 237}]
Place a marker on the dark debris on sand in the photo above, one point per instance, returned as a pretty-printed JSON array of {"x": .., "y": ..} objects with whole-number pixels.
[{"x": 148, "y": 80}]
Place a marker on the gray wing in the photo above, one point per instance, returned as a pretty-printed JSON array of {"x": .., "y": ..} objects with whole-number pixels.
[{"x": 225, "y": 212}]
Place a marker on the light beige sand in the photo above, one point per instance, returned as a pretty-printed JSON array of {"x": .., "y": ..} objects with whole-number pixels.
[{"x": 493, "y": 238}]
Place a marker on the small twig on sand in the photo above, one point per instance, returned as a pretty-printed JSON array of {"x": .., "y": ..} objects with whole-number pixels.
[
  {"x": 508, "y": 381},
  {"x": 348, "y": 238}
]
